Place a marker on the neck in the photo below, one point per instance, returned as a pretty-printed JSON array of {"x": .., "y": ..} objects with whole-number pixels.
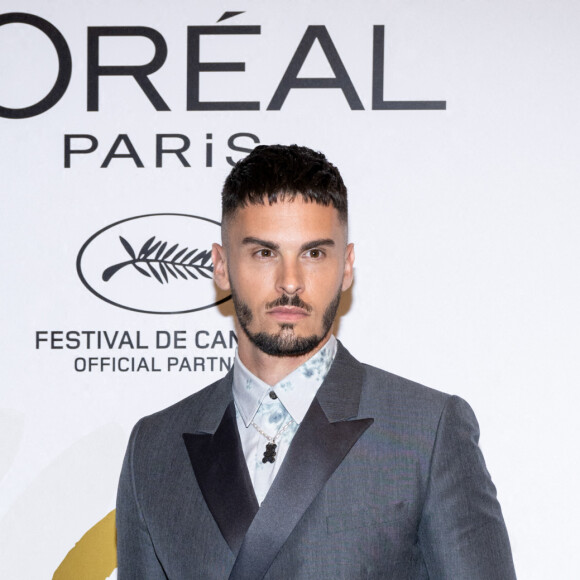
[{"x": 268, "y": 368}]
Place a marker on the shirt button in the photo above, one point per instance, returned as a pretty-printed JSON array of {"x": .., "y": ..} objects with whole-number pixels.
[{"x": 273, "y": 395}]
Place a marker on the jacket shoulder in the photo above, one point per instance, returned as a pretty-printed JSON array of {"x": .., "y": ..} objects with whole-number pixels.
[
  {"x": 185, "y": 415},
  {"x": 404, "y": 401},
  {"x": 381, "y": 381}
]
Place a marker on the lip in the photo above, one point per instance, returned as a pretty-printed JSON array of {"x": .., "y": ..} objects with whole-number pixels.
[{"x": 287, "y": 313}]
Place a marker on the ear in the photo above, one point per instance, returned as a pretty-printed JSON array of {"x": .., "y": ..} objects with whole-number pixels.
[
  {"x": 220, "y": 267},
  {"x": 348, "y": 273}
]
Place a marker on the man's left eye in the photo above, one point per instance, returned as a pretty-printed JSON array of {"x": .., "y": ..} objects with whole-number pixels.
[{"x": 315, "y": 253}]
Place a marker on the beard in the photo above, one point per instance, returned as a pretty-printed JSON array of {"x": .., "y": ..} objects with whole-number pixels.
[{"x": 285, "y": 342}]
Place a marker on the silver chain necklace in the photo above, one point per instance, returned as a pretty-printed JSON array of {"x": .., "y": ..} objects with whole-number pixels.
[{"x": 270, "y": 453}]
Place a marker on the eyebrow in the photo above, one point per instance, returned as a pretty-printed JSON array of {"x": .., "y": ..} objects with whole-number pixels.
[
  {"x": 317, "y": 244},
  {"x": 250, "y": 240}
]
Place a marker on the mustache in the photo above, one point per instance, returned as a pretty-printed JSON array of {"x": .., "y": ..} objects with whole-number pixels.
[{"x": 285, "y": 300}]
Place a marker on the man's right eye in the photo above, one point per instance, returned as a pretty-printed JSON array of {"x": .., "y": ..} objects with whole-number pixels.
[{"x": 264, "y": 253}]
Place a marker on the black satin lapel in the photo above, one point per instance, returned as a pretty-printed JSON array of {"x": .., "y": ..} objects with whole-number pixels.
[
  {"x": 316, "y": 451},
  {"x": 222, "y": 474}
]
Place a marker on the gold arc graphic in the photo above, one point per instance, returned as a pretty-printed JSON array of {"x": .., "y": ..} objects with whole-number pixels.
[{"x": 94, "y": 556}]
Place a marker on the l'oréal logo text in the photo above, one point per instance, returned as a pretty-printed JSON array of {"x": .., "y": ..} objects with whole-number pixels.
[
  {"x": 195, "y": 74},
  {"x": 158, "y": 264}
]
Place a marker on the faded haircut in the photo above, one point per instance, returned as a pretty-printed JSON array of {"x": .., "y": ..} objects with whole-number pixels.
[{"x": 282, "y": 172}]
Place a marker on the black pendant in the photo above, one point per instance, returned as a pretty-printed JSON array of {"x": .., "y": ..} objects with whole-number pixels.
[{"x": 270, "y": 453}]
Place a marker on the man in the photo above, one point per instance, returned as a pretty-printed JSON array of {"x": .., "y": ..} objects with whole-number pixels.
[{"x": 302, "y": 462}]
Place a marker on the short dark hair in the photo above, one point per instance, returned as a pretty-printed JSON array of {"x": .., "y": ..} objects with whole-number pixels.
[{"x": 279, "y": 172}]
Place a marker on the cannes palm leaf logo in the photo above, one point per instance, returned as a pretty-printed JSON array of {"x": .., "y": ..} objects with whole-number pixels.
[{"x": 156, "y": 260}]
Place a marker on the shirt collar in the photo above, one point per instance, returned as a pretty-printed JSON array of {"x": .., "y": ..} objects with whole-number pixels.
[{"x": 295, "y": 391}]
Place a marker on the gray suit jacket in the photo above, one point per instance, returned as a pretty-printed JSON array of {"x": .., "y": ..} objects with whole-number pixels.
[{"x": 384, "y": 479}]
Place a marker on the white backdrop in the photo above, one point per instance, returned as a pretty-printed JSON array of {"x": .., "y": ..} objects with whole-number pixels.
[{"x": 465, "y": 222}]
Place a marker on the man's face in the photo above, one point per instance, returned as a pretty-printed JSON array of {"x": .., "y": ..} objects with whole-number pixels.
[{"x": 286, "y": 265}]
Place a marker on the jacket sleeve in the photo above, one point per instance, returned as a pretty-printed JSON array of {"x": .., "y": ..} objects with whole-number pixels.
[
  {"x": 462, "y": 533},
  {"x": 136, "y": 558}
]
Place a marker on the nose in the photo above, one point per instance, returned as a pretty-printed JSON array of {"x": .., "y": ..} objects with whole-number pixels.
[{"x": 290, "y": 277}]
